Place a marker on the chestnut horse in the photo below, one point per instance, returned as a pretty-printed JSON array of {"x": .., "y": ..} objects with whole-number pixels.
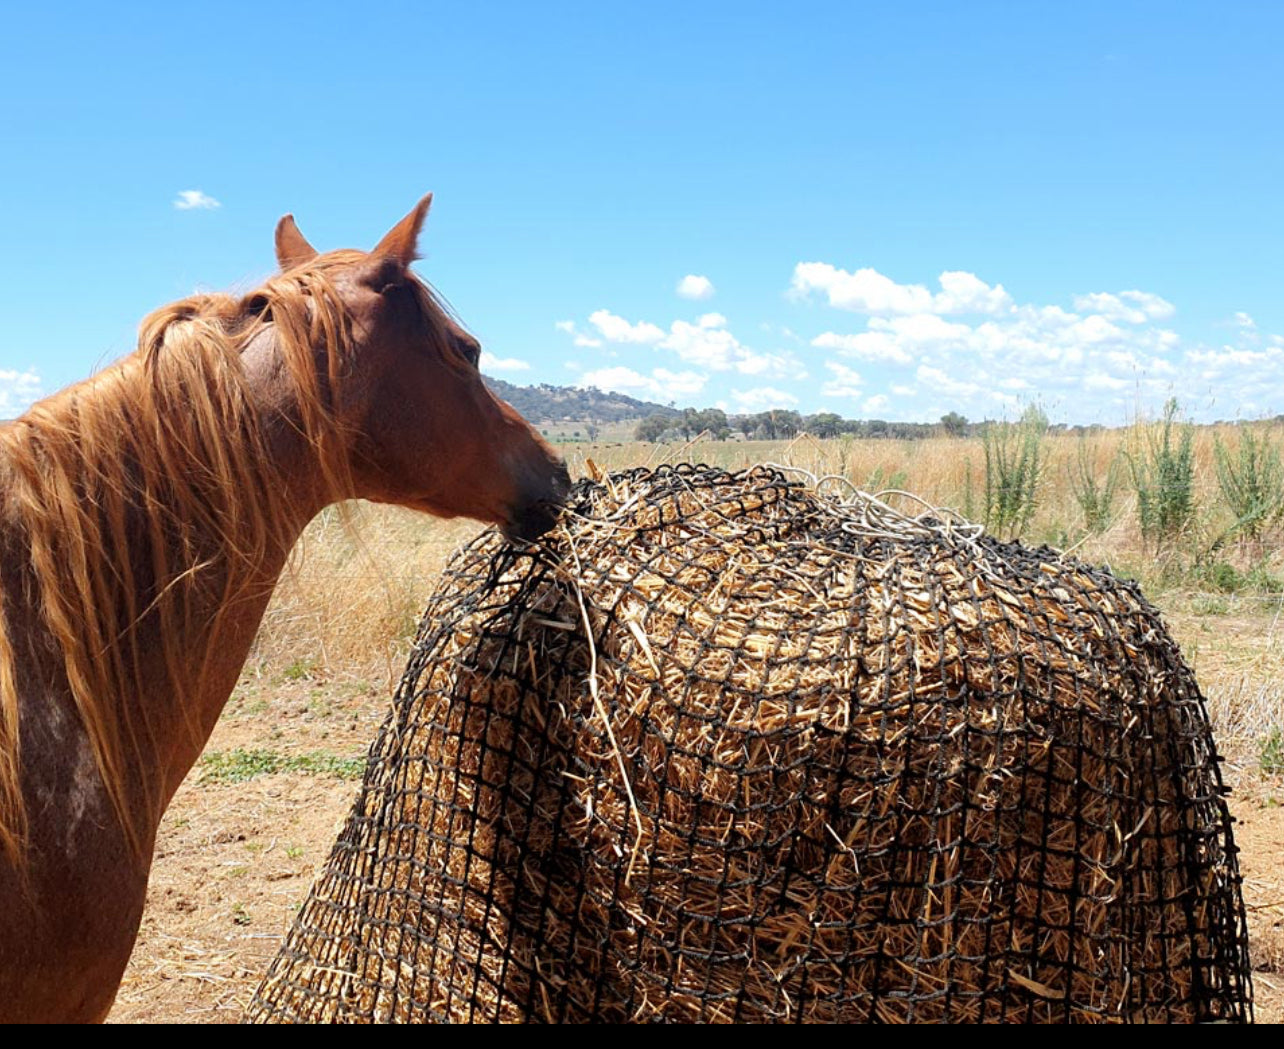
[{"x": 145, "y": 515}]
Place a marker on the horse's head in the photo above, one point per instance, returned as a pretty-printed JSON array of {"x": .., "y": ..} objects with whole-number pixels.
[{"x": 418, "y": 425}]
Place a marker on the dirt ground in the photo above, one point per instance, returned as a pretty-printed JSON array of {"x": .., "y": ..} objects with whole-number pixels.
[{"x": 238, "y": 848}]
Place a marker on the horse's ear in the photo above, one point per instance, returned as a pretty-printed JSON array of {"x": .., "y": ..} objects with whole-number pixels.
[
  {"x": 292, "y": 247},
  {"x": 400, "y": 241}
]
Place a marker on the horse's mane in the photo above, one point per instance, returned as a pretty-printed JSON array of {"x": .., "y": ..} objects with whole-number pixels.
[{"x": 124, "y": 489}]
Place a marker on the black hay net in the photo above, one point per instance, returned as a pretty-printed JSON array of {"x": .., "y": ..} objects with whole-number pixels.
[{"x": 724, "y": 748}]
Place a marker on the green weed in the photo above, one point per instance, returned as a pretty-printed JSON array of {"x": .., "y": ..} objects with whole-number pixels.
[
  {"x": 1014, "y": 467},
  {"x": 1251, "y": 480},
  {"x": 1271, "y": 753},
  {"x": 236, "y": 766},
  {"x": 1095, "y": 495},
  {"x": 1163, "y": 474}
]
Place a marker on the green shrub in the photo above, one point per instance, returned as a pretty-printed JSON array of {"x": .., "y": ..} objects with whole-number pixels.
[
  {"x": 1095, "y": 495},
  {"x": 1163, "y": 474},
  {"x": 1014, "y": 466},
  {"x": 1251, "y": 480}
]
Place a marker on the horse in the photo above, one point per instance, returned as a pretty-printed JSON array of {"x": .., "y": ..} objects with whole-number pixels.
[{"x": 146, "y": 514}]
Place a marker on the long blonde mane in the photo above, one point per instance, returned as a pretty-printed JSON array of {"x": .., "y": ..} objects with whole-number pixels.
[{"x": 125, "y": 489}]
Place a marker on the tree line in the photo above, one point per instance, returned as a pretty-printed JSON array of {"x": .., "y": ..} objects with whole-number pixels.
[{"x": 783, "y": 423}]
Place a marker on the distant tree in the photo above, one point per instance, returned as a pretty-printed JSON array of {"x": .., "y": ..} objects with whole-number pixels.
[
  {"x": 650, "y": 428},
  {"x": 787, "y": 423},
  {"x": 954, "y": 424},
  {"x": 712, "y": 420},
  {"x": 824, "y": 424}
]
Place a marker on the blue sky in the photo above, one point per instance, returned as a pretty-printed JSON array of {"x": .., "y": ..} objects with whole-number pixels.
[{"x": 884, "y": 211}]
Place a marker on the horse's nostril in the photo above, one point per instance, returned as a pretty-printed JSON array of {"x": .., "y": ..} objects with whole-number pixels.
[
  {"x": 531, "y": 521},
  {"x": 561, "y": 483}
]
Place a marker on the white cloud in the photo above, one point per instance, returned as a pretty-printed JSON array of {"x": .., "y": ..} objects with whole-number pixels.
[
  {"x": 939, "y": 382},
  {"x": 1101, "y": 381},
  {"x": 875, "y": 404},
  {"x": 189, "y": 199},
  {"x": 865, "y": 291},
  {"x": 1002, "y": 349},
  {"x": 1243, "y": 320},
  {"x": 19, "y": 390},
  {"x": 868, "y": 291},
  {"x": 693, "y": 286},
  {"x": 762, "y": 398},
  {"x": 1132, "y": 307},
  {"x": 869, "y": 346},
  {"x": 708, "y": 345},
  {"x": 491, "y": 363},
  {"x": 963, "y": 292},
  {"x": 578, "y": 337},
  {"x": 617, "y": 329},
  {"x": 661, "y": 385},
  {"x": 845, "y": 383}
]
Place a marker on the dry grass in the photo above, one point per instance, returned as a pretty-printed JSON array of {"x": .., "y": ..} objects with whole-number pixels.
[{"x": 353, "y": 595}]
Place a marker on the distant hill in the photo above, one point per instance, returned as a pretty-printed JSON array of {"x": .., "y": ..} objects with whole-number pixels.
[{"x": 550, "y": 404}]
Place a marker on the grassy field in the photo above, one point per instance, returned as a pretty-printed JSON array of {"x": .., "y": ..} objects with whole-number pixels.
[{"x": 258, "y": 814}]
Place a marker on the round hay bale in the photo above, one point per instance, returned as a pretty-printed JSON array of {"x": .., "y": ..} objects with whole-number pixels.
[{"x": 727, "y": 749}]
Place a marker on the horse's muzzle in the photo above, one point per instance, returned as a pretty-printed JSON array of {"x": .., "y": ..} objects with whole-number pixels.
[{"x": 539, "y": 507}]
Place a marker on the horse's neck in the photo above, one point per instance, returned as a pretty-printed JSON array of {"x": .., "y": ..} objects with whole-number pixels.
[{"x": 218, "y": 636}]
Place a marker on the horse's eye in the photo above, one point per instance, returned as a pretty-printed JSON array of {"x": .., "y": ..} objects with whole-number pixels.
[
  {"x": 471, "y": 349},
  {"x": 258, "y": 305}
]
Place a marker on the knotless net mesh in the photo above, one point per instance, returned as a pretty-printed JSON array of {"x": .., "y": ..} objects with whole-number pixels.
[{"x": 724, "y": 748}]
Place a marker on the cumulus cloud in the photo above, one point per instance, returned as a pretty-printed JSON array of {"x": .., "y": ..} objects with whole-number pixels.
[
  {"x": 1131, "y": 307},
  {"x": 868, "y": 291},
  {"x": 970, "y": 344},
  {"x": 867, "y": 345},
  {"x": 874, "y": 405},
  {"x": 491, "y": 363},
  {"x": 694, "y": 286},
  {"x": 578, "y": 337},
  {"x": 845, "y": 383},
  {"x": 660, "y": 385},
  {"x": 19, "y": 390},
  {"x": 762, "y": 398},
  {"x": 617, "y": 329},
  {"x": 706, "y": 344},
  {"x": 939, "y": 382},
  {"x": 189, "y": 199},
  {"x": 963, "y": 292}
]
